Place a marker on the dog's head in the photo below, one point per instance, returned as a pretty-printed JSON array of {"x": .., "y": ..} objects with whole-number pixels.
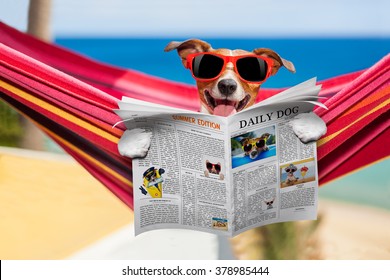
[
  {"x": 152, "y": 173},
  {"x": 269, "y": 203},
  {"x": 214, "y": 168},
  {"x": 229, "y": 92},
  {"x": 291, "y": 169},
  {"x": 254, "y": 146}
]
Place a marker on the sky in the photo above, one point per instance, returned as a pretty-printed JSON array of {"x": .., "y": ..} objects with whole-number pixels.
[{"x": 210, "y": 18}]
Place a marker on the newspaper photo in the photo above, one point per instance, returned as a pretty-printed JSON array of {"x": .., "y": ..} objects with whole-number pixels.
[{"x": 224, "y": 175}]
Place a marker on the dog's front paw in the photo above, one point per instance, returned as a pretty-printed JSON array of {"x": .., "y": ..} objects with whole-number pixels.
[
  {"x": 308, "y": 127},
  {"x": 135, "y": 143}
]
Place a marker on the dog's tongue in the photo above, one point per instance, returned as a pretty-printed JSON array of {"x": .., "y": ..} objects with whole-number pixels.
[{"x": 224, "y": 110}]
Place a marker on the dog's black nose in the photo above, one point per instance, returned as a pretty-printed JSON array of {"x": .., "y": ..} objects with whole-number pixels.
[{"x": 227, "y": 86}]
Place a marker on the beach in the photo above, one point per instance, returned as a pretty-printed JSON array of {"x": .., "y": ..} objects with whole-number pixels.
[
  {"x": 353, "y": 232},
  {"x": 49, "y": 214}
]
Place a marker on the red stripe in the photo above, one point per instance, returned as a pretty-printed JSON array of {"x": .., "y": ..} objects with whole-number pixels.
[
  {"x": 361, "y": 150},
  {"x": 117, "y": 187},
  {"x": 42, "y": 70},
  {"x": 96, "y": 115},
  {"x": 358, "y": 127},
  {"x": 366, "y": 83},
  {"x": 346, "y": 120}
]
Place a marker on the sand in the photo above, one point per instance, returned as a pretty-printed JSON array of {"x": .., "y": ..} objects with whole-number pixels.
[
  {"x": 354, "y": 232},
  {"x": 51, "y": 207},
  {"x": 47, "y": 214}
]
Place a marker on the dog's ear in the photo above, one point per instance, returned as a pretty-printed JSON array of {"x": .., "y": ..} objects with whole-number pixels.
[
  {"x": 187, "y": 47},
  {"x": 278, "y": 61},
  {"x": 243, "y": 141}
]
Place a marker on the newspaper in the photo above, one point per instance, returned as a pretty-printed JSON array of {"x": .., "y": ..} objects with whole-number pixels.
[{"x": 224, "y": 175}]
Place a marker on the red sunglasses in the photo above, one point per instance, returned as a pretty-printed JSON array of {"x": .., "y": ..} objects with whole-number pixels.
[
  {"x": 259, "y": 144},
  {"x": 206, "y": 66},
  {"x": 210, "y": 166}
]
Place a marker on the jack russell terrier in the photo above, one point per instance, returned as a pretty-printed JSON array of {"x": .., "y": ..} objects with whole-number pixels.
[
  {"x": 228, "y": 81},
  {"x": 253, "y": 147},
  {"x": 213, "y": 168}
]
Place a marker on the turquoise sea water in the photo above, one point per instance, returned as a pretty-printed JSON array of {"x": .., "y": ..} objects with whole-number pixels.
[
  {"x": 369, "y": 186},
  {"x": 321, "y": 58},
  {"x": 241, "y": 159}
]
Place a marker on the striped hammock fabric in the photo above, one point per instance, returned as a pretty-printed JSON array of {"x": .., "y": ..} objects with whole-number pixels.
[{"x": 71, "y": 98}]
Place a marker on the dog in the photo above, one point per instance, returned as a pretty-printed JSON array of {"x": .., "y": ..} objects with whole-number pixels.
[
  {"x": 228, "y": 81},
  {"x": 269, "y": 203},
  {"x": 291, "y": 179},
  {"x": 253, "y": 147},
  {"x": 152, "y": 181},
  {"x": 230, "y": 91},
  {"x": 213, "y": 168}
]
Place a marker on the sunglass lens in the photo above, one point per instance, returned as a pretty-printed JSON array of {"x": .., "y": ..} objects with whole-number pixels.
[
  {"x": 252, "y": 69},
  {"x": 207, "y": 66},
  {"x": 260, "y": 143},
  {"x": 217, "y": 167},
  {"x": 209, "y": 165},
  {"x": 247, "y": 147}
]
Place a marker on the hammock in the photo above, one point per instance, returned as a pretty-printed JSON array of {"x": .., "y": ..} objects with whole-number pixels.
[{"x": 71, "y": 98}]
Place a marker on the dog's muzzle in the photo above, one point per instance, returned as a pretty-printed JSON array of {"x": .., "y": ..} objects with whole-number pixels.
[
  {"x": 227, "y": 87},
  {"x": 225, "y": 107}
]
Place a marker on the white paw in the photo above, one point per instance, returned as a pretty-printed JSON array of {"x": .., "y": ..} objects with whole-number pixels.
[
  {"x": 135, "y": 143},
  {"x": 308, "y": 127}
]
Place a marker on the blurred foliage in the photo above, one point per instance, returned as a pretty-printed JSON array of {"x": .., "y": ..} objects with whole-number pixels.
[
  {"x": 271, "y": 140},
  {"x": 290, "y": 241},
  {"x": 235, "y": 144},
  {"x": 281, "y": 241},
  {"x": 10, "y": 128}
]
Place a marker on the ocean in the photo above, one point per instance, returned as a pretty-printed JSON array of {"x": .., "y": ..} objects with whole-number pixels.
[{"x": 320, "y": 57}]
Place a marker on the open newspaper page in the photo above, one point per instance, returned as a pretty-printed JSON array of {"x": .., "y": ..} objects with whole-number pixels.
[
  {"x": 223, "y": 175},
  {"x": 274, "y": 175},
  {"x": 182, "y": 182}
]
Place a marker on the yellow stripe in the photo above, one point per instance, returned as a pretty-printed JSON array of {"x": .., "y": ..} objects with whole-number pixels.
[
  {"x": 60, "y": 113},
  {"x": 83, "y": 154},
  {"x": 75, "y": 120},
  {"x": 89, "y": 158},
  {"x": 330, "y": 137},
  {"x": 297, "y": 162},
  {"x": 379, "y": 94}
]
